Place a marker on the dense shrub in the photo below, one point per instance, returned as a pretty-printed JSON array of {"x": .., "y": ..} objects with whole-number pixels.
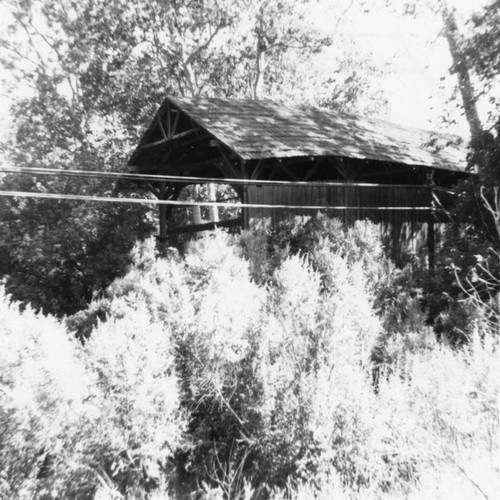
[
  {"x": 75, "y": 421},
  {"x": 327, "y": 243},
  {"x": 319, "y": 237},
  {"x": 213, "y": 376},
  {"x": 43, "y": 384},
  {"x": 256, "y": 360}
]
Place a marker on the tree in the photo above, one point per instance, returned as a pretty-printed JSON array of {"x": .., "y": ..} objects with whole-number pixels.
[
  {"x": 56, "y": 255},
  {"x": 460, "y": 67},
  {"x": 95, "y": 72},
  {"x": 276, "y": 29},
  {"x": 476, "y": 59},
  {"x": 443, "y": 10},
  {"x": 476, "y": 62},
  {"x": 480, "y": 57},
  {"x": 482, "y": 49}
]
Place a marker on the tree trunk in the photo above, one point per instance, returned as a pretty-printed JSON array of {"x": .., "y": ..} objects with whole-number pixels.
[
  {"x": 460, "y": 67},
  {"x": 260, "y": 66}
]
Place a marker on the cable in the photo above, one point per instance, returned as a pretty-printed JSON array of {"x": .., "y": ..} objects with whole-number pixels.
[
  {"x": 106, "y": 199},
  {"x": 186, "y": 180}
]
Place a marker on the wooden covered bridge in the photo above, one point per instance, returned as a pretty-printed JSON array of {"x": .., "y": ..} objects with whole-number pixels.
[{"x": 301, "y": 157}]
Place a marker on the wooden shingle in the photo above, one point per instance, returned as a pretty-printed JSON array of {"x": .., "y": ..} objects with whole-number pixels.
[{"x": 263, "y": 129}]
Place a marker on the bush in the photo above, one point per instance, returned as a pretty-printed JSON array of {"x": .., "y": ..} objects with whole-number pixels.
[
  {"x": 201, "y": 380},
  {"x": 43, "y": 386},
  {"x": 78, "y": 420},
  {"x": 254, "y": 407},
  {"x": 250, "y": 356},
  {"x": 140, "y": 425},
  {"x": 440, "y": 407}
]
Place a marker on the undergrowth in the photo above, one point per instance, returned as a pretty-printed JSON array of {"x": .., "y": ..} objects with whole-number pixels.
[{"x": 265, "y": 366}]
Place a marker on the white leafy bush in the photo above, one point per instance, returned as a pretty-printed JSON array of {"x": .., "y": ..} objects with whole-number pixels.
[
  {"x": 43, "y": 386},
  {"x": 139, "y": 423},
  {"x": 202, "y": 377},
  {"x": 74, "y": 420}
]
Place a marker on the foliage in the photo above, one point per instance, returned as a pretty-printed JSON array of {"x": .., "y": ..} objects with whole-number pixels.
[
  {"x": 56, "y": 255},
  {"x": 468, "y": 264},
  {"x": 275, "y": 389},
  {"x": 91, "y": 75},
  {"x": 43, "y": 386},
  {"x": 77, "y": 420},
  {"x": 324, "y": 240},
  {"x": 250, "y": 358},
  {"x": 483, "y": 49}
]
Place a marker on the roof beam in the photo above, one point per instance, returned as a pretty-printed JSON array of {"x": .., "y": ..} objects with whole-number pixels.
[
  {"x": 169, "y": 123},
  {"x": 257, "y": 170},
  {"x": 314, "y": 169},
  {"x": 167, "y": 140},
  {"x": 229, "y": 167},
  {"x": 288, "y": 172},
  {"x": 162, "y": 129},
  {"x": 186, "y": 167},
  {"x": 176, "y": 120},
  {"x": 207, "y": 226}
]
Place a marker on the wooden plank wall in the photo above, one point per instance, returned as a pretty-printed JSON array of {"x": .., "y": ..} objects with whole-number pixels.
[
  {"x": 361, "y": 201},
  {"x": 404, "y": 228}
]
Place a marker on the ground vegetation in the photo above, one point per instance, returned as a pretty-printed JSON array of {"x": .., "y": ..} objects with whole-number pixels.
[{"x": 208, "y": 375}]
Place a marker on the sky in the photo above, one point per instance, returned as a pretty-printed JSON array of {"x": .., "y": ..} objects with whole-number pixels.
[{"x": 417, "y": 83}]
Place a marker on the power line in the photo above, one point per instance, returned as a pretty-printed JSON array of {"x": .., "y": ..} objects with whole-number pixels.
[
  {"x": 147, "y": 201},
  {"x": 185, "y": 179}
]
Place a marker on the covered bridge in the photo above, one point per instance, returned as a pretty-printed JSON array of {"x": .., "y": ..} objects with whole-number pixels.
[{"x": 301, "y": 157}]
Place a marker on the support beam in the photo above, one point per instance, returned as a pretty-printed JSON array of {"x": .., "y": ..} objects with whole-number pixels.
[
  {"x": 176, "y": 120},
  {"x": 431, "y": 243},
  {"x": 431, "y": 237},
  {"x": 171, "y": 139},
  {"x": 208, "y": 226},
  {"x": 162, "y": 129},
  {"x": 339, "y": 167},
  {"x": 257, "y": 170},
  {"x": 313, "y": 170},
  {"x": 244, "y": 211},
  {"x": 154, "y": 189},
  {"x": 212, "y": 196},
  {"x": 169, "y": 122},
  {"x": 229, "y": 167},
  {"x": 175, "y": 191},
  {"x": 273, "y": 173},
  {"x": 289, "y": 172},
  {"x": 162, "y": 236},
  {"x": 197, "y": 216},
  {"x": 386, "y": 172},
  {"x": 179, "y": 169}
]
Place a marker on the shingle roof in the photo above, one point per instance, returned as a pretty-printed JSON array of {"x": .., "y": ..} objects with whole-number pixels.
[{"x": 265, "y": 129}]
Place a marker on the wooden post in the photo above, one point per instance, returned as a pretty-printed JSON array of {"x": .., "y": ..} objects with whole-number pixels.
[
  {"x": 212, "y": 196},
  {"x": 244, "y": 210},
  {"x": 162, "y": 236},
  {"x": 431, "y": 243},
  {"x": 197, "y": 217},
  {"x": 431, "y": 236}
]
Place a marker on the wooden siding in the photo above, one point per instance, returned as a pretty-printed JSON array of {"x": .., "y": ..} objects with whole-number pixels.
[
  {"x": 403, "y": 221},
  {"x": 349, "y": 202}
]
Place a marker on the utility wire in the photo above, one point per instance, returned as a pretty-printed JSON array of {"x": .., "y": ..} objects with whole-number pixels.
[
  {"x": 108, "y": 199},
  {"x": 184, "y": 180}
]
